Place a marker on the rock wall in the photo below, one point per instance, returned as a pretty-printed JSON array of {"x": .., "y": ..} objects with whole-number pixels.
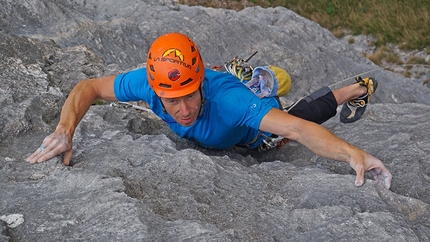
[{"x": 131, "y": 179}]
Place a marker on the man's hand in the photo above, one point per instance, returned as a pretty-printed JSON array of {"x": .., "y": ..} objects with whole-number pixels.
[
  {"x": 75, "y": 107},
  {"x": 53, "y": 145},
  {"x": 325, "y": 144},
  {"x": 364, "y": 162}
]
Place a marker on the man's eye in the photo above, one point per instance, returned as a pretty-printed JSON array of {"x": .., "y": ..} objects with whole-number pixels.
[
  {"x": 172, "y": 101},
  {"x": 190, "y": 97}
]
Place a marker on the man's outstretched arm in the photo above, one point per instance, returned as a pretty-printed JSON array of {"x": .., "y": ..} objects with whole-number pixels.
[
  {"x": 74, "y": 109},
  {"x": 325, "y": 144}
]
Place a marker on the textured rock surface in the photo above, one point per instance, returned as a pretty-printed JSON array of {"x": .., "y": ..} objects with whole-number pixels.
[{"x": 131, "y": 179}]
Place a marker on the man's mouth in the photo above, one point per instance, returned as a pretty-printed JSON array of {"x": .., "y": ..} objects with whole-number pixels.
[{"x": 186, "y": 121}]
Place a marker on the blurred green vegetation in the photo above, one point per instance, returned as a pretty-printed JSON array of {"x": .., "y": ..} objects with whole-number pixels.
[
  {"x": 405, "y": 23},
  {"x": 402, "y": 22},
  {"x": 393, "y": 23}
]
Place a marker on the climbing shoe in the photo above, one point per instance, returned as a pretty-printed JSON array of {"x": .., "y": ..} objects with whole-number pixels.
[{"x": 353, "y": 110}]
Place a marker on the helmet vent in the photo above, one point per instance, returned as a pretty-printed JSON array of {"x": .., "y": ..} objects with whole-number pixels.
[
  {"x": 193, "y": 61},
  {"x": 164, "y": 85},
  {"x": 152, "y": 68},
  {"x": 150, "y": 56},
  {"x": 193, "y": 49},
  {"x": 186, "y": 82}
]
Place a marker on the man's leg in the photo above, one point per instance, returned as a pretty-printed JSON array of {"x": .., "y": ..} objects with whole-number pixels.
[
  {"x": 318, "y": 107},
  {"x": 321, "y": 105},
  {"x": 349, "y": 92}
]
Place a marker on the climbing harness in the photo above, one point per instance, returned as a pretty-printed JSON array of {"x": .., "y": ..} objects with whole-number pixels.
[{"x": 271, "y": 142}]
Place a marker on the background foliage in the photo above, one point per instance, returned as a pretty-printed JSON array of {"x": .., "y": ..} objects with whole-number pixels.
[{"x": 405, "y": 23}]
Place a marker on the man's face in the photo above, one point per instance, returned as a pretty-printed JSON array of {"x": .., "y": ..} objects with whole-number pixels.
[{"x": 184, "y": 110}]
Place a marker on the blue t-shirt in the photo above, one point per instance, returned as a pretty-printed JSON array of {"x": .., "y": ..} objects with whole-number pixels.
[{"x": 231, "y": 115}]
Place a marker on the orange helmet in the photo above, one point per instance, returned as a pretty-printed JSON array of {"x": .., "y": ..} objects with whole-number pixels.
[{"x": 174, "y": 66}]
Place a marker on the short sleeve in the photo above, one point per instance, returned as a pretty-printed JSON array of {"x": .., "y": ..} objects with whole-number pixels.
[{"x": 132, "y": 86}]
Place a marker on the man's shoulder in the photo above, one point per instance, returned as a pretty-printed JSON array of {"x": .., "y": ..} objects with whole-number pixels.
[
  {"x": 220, "y": 80},
  {"x": 211, "y": 74},
  {"x": 138, "y": 72}
]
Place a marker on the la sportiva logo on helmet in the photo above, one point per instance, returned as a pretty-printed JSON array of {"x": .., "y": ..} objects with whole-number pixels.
[
  {"x": 174, "y": 75},
  {"x": 177, "y": 52},
  {"x": 173, "y": 56}
]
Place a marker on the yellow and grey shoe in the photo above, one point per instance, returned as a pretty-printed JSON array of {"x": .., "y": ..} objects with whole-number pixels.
[{"x": 353, "y": 110}]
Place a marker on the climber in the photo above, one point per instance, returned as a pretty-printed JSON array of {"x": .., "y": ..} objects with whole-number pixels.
[{"x": 217, "y": 111}]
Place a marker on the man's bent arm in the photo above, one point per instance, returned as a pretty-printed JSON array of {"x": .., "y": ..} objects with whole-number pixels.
[
  {"x": 75, "y": 107},
  {"x": 325, "y": 144},
  {"x": 81, "y": 98}
]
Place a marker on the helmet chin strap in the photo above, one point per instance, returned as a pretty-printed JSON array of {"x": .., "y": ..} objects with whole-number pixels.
[
  {"x": 202, "y": 97},
  {"x": 162, "y": 105}
]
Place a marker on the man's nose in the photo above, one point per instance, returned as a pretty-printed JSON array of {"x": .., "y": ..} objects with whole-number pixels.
[{"x": 184, "y": 108}]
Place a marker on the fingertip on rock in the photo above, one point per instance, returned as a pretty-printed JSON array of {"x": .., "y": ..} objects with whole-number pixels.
[{"x": 359, "y": 183}]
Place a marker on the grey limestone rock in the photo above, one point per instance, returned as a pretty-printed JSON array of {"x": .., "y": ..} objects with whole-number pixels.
[{"x": 132, "y": 179}]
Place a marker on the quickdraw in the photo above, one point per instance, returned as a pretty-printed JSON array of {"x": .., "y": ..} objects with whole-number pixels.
[
  {"x": 272, "y": 142},
  {"x": 238, "y": 67}
]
